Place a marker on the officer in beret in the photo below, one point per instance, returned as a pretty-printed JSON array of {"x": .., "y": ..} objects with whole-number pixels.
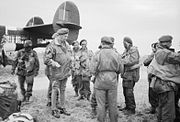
[
  {"x": 106, "y": 65},
  {"x": 166, "y": 71},
  {"x": 130, "y": 76},
  {"x": 27, "y": 65},
  {"x": 58, "y": 59}
]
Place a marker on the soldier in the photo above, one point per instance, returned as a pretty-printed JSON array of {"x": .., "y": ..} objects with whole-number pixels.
[
  {"x": 106, "y": 66},
  {"x": 130, "y": 76},
  {"x": 76, "y": 67},
  {"x": 58, "y": 59},
  {"x": 93, "y": 97},
  {"x": 153, "y": 97},
  {"x": 27, "y": 64},
  {"x": 166, "y": 70},
  {"x": 85, "y": 57}
]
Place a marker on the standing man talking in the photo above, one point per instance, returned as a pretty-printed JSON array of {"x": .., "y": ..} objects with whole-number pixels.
[
  {"x": 58, "y": 59},
  {"x": 130, "y": 76}
]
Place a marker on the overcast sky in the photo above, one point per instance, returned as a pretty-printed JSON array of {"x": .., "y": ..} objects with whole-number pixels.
[{"x": 142, "y": 20}]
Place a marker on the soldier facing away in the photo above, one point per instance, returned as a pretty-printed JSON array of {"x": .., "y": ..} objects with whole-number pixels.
[{"x": 106, "y": 66}]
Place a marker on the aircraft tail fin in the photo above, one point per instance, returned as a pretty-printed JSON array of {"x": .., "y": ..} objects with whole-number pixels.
[
  {"x": 67, "y": 15},
  {"x": 35, "y": 21}
]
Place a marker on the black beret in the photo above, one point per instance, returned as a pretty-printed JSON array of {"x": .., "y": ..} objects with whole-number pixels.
[
  {"x": 107, "y": 40},
  {"x": 165, "y": 38},
  {"x": 61, "y": 31}
]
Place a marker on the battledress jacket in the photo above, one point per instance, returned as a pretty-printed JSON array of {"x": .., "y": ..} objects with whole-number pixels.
[
  {"x": 130, "y": 58},
  {"x": 60, "y": 54},
  {"x": 106, "y": 65},
  {"x": 27, "y": 63},
  {"x": 166, "y": 67},
  {"x": 85, "y": 58}
]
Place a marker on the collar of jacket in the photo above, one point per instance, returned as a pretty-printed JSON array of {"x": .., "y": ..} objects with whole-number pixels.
[
  {"x": 57, "y": 43},
  {"x": 106, "y": 47}
]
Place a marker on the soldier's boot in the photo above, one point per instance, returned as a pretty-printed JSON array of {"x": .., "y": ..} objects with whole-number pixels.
[
  {"x": 129, "y": 112},
  {"x": 63, "y": 111},
  {"x": 81, "y": 98},
  {"x": 151, "y": 111},
  {"x": 24, "y": 99},
  {"x": 48, "y": 104},
  {"x": 55, "y": 113},
  {"x": 76, "y": 94},
  {"x": 88, "y": 97},
  {"x": 123, "y": 109},
  {"x": 93, "y": 113},
  {"x": 27, "y": 98}
]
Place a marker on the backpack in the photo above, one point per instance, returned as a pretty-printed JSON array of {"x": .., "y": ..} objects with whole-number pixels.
[{"x": 8, "y": 99}]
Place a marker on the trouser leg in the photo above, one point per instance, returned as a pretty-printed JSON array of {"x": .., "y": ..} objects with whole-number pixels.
[
  {"x": 177, "y": 108},
  {"x": 125, "y": 96},
  {"x": 62, "y": 92},
  {"x": 166, "y": 108},
  {"x": 21, "y": 80},
  {"x": 81, "y": 88},
  {"x": 49, "y": 88},
  {"x": 75, "y": 82},
  {"x": 55, "y": 91},
  {"x": 87, "y": 91},
  {"x": 130, "y": 101},
  {"x": 101, "y": 100},
  {"x": 29, "y": 82},
  {"x": 93, "y": 100},
  {"x": 112, "y": 104},
  {"x": 153, "y": 98}
]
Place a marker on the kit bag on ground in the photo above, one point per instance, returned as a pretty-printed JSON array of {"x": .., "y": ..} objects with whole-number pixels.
[{"x": 8, "y": 100}]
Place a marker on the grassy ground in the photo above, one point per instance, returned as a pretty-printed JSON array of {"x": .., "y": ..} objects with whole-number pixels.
[{"x": 80, "y": 110}]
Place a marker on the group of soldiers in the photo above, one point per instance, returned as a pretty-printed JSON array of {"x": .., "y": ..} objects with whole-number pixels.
[{"x": 104, "y": 69}]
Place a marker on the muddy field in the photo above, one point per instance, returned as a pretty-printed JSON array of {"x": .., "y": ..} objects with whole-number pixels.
[{"x": 80, "y": 110}]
